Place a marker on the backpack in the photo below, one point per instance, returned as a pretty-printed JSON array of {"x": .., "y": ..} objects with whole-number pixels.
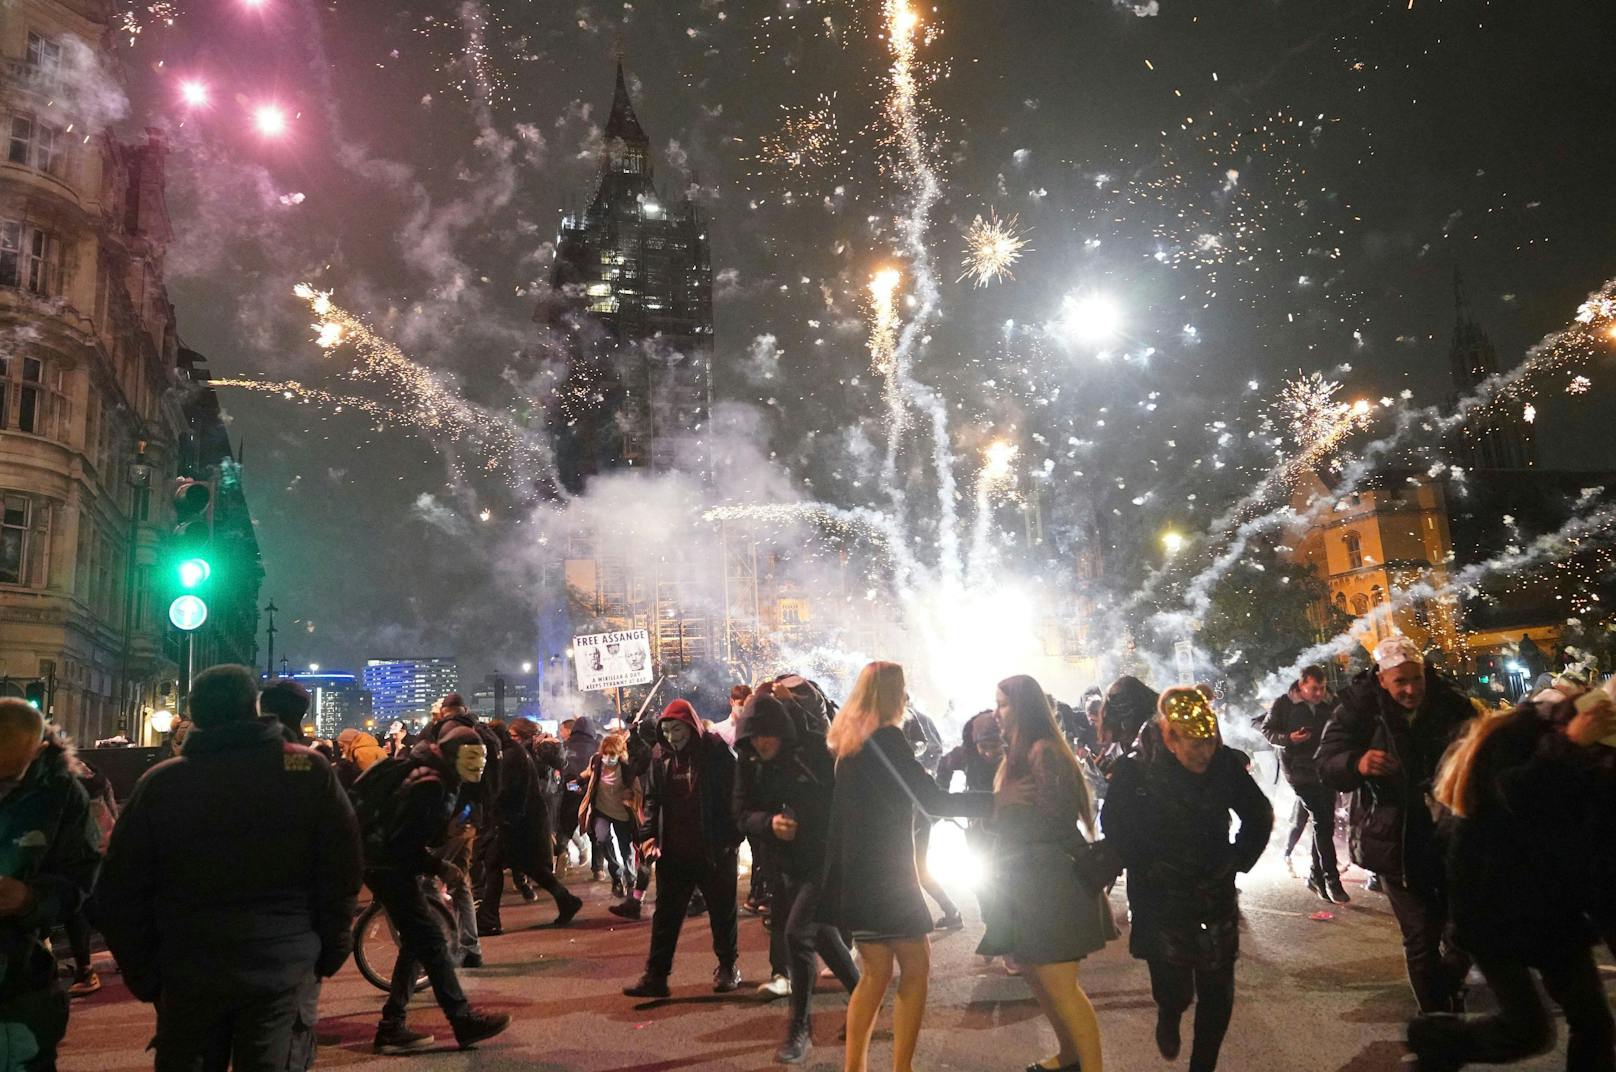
[{"x": 375, "y": 795}]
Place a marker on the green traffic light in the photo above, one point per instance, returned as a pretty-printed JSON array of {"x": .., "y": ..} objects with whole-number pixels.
[{"x": 193, "y": 571}]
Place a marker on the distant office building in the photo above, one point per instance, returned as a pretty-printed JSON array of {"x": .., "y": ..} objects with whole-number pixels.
[
  {"x": 407, "y": 688},
  {"x": 336, "y": 702},
  {"x": 506, "y": 696}
]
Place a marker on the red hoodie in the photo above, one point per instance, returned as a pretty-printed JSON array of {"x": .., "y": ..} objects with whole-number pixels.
[{"x": 682, "y": 837}]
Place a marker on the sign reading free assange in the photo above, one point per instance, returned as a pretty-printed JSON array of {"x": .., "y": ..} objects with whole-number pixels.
[{"x": 612, "y": 660}]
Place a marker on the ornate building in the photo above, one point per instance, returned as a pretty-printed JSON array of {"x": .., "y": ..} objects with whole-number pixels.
[
  {"x": 1497, "y": 438},
  {"x": 636, "y": 281}
]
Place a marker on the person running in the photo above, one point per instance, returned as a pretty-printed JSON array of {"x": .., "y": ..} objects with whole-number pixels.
[
  {"x": 977, "y": 757},
  {"x": 578, "y": 743},
  {"x": 786, "y": 804},
  {"x": 1294, "y": 725},
  {"x": 229, "y": 885},
  {"x": 1382, "y": 744},
  {"x": 871, "y": 885},
  {"x": 611, "y": 811},
  {"x": 1047, "y": 917},
  {"x": 1167, "y": 815},
  {"x": 1522, "y": 788},
  {"x": 689, "y": 831},
  {"x": 406, "y": 810},
  {"x": 532, "y": 860}
]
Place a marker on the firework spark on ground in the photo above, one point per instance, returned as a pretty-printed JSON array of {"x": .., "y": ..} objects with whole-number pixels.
[{"x": 992, "y": 246}]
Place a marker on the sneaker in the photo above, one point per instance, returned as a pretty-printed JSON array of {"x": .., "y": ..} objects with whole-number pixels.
[
  {"x": 475, "y": 1026},
  {"x": 799, "y": 1040},
  {"x": 726, "y": 979},
  {"x": 525, "y": 888},
  {"x": 649, "y": 986},
  {"x": 628, "y": 908},
  {"x": 752, "y": 907},
  {"x": 617, "y": 888},
  {"x": 1316, "y": 884},
  {"x": 84, "y": 984},
  {"x": 396, "y": 1038},
  {"x": 471, "y": 960},
  {"x": 568, "y": 909},
  {"x": 951, "y": 922},
  {"x": 777, "y": 987},
  {"x": 1167, "y": 1038},
  {"x": 1337, "y": 893},
  {"x": 493, "y": 930},
  {"x": 598, "y": 876},
  {"x": 1372, "y": 884}
]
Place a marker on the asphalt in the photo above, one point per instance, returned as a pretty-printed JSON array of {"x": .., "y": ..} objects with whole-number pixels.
[{"x": 1320, "y": 989}]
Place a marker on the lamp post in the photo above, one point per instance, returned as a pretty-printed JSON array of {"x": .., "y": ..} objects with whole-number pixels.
[
  {"x": 138, "y": 477},
  {"x": 269, "y": 666}
]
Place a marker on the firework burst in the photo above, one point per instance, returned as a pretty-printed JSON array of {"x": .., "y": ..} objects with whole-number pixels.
[{"x": 992, "y": 246}]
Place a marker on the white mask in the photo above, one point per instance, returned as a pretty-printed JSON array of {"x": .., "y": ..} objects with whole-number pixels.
[
  {"x": 470, "y": 762},
  {"x": 677, "y": 733},
  {"x": 610, "y": 761}
]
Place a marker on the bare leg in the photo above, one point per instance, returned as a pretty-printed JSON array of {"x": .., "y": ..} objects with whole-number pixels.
[
  {"x": 1070, "y": 1013},
  {"x": 865, "y": 1003},
  {"x": 914, "y": 979}
]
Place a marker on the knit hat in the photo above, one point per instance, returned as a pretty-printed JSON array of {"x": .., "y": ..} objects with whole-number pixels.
[
  {"x": 455, "y": 738},
  {"x": 765, "y": 716},
  {"x": 1396, "y": 650}
]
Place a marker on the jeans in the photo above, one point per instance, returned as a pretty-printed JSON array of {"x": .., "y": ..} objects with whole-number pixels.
[
  {"x": 268, "y": 1033},
  {"x": 1319, "y": 804},
  {"x": 421, "y": 944},
  {"x": 621, "y": 860},
  {"x": 796, "y": 902},
  {"x": 1522, "y": 1027},
  {"x": 677, "y": 881},
  {"x": 1175, "y": 986},
  {"x": 1422, "y": 915}
]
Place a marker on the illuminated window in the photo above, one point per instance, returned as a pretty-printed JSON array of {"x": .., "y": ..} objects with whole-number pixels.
[{"x": 1354, "y": 544}]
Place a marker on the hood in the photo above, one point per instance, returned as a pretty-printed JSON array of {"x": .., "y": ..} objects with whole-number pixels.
[
  {"x": 763, "y": 716},
  {"x": 436, "y": 731},
  {"x": 1129, "y": 705},
  {"x": 353, "y": 743},
  {"x": 680, "y": 710},
  {"x": 969, "y": 735},
  {"x": 582, "y": 727}
]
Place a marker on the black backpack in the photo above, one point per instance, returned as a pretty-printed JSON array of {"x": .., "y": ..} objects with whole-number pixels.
[{"x": 375, "y": 797}]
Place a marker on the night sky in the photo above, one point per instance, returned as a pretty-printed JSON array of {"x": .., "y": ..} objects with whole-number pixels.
[{"x": 1262, "y": 188}]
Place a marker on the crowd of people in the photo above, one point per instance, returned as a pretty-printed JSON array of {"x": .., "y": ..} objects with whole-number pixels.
[{"x": 1489, "y": 831}]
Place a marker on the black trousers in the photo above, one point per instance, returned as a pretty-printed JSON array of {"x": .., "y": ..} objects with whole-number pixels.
[
  {"x": 269, "y": 1033},
  {"x": 421, "y": 944},
  {"x": 1298, "y": 826},
  {"x": 1319, "y": 804},
  {"x": 677, "y": 881},
  {"x": 1522, "y": 1027},
  {"x": 796, "y": 902},
  {"x": 1434, "y": 975},
  {"x": 1176, "y": 986}
]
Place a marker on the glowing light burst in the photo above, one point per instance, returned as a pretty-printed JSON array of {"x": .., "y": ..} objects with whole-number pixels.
[
  {"x": 1318, "y": 423},
  {"x": 137, "y": 19},
  {"x": 992, "y": 246},
  {"x": 194, "y": 93},
  {"x": 270, "y": 120},
  {"x": 303, "y": 394},
  {"x": 997, "y": 458},
  {"x": 1089, "y": 319}
]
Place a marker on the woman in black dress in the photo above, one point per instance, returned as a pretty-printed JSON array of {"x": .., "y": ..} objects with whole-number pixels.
[
  {"x": 871, "y": 886},
  {"x": 1045, "y": 916}
]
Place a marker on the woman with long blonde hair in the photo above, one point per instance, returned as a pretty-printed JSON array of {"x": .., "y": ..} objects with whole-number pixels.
[
  {"x": 871, "y": 886},
  {"x": 1045, "y": 915}
]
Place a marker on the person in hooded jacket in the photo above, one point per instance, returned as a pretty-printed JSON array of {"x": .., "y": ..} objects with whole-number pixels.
[
  {"x": 578, "y": 745},
  {"x": 1294, "y": 725},
  {"x": 689, "y": 830},
  {"x": 611, "y": 811},
  {"x": 357, "y": 752},
  {"x": 1521, "y": 791},
  {"x": 1384, "y": 740},
  {"x": 1128, "y": 706},
  {"x": 48, "y": 857},
  {"x": 532, "y": 859},
  {"x": 785, "y": 803},
  {"x": 229, "y": 884},
  {"x": 1167, "y": 816},
  {"x": 476, "y": 841},
  {"x": 399, "y": 859}
]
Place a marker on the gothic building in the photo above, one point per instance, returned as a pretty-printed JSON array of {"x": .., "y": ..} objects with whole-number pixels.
[
  {"x": 635, "y": 281},
  {"x": 1498, "y": 438}
]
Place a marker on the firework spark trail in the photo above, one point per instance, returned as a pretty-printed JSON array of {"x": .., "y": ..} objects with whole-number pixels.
[
  {"x": 997, "y": 474},
  {"x": 1594, "y": 321},
  {"x": 302, "y": 393},
  {"x": 1579, "y": 533},
  {"x": 884, "y": 324},
  {"x": 424, "y": 400}
]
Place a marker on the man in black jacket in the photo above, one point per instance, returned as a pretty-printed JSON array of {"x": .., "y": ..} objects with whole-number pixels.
[
  {"x": 287, "y": 702},
  {"x": 477, "y": 841},
  {"x": 1383, "y": 744},
  {"x": 399, "y": 860},
  {"x": 1294, "y": 725},
  {"x": 783, "y": 799},
  {"x": 48, "y": 856},
  {"x": 690, "y": 831},
  {"x": 229, "y": 885}
]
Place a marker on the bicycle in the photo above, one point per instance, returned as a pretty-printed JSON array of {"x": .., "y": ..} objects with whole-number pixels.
[{"x": 375, "y": 940}]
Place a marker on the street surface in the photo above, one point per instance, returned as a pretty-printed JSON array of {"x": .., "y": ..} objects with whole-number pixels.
[{"x": 1314, "y": 996}]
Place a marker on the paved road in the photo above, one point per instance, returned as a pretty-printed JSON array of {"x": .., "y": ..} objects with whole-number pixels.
[{"x": 1315, "y": 995}]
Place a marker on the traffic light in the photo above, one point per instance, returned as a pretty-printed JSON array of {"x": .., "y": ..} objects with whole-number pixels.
[
  {"x": 34, "y": 693},
  {"x": 190, "y": 546}
]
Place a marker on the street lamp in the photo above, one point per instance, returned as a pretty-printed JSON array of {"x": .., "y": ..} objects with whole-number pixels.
[{"x": 527, "y": 667}]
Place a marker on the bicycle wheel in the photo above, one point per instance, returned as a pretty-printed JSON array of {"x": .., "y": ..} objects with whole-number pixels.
[{"x": 375, "y": 944}]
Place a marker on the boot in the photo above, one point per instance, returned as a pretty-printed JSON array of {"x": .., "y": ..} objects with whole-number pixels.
[
  {"x": 1336, "y": 892},
  {"x": 1315, "y": 882},
  {"x": 393, "y": 1037},
  {"x": 475, "y": 1026},
  {"x": 649, "y": 986},
  {"x": 726, "y": 979},
  {"x": 799, "y": 1040},
  {"x": 628, "y": 909},
  {"x": 568, "y": 908},
  {"x": 1167, "y": 1038}
]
